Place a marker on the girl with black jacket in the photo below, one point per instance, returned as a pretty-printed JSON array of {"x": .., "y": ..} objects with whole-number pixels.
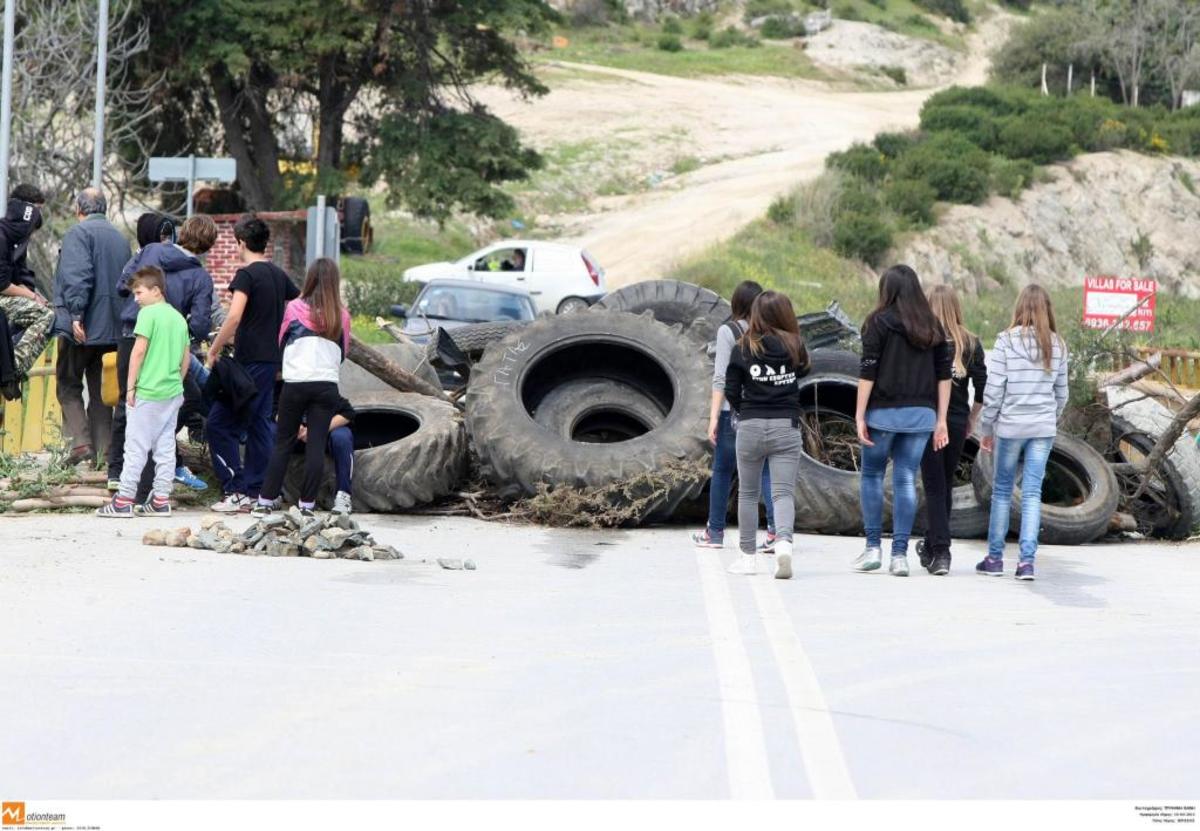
[
  {"x": 903, "y": 397},
  {"x": 939, "y": 466},
  {"x": 761, "y": 387}
]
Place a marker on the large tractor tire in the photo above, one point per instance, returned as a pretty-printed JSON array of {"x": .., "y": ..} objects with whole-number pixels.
[
  {"x": 357, "y": 234},
  {"x": 698, "y": 310},
  {"x": 518, "y": 374},
  {"x": 968, "y": 517},
  {"x": 1169, "y": 506},
  {"x": 410, "y": 449},
  {"x": 1079, "y": 493},
  {"x": 598, "y": 410}
]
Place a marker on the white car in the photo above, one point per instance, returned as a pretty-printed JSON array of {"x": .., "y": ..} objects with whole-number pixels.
[{"x": 559, "y": 278}]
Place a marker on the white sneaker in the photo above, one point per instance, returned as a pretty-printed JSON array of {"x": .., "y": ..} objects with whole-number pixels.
[
  {"x": 745, "y": 564},
  {"x": 233, "y": 503},
  {"x": 899, "y": 566},
  {"x": 341, "y": 503},
  {"x": 783, "y": 559},
  {"x": 869, "y": 560}
]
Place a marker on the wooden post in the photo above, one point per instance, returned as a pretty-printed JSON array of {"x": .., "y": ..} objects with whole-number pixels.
[
  {"x": 1045, "y": 89},
  {"x": 1070, "y": 77}
]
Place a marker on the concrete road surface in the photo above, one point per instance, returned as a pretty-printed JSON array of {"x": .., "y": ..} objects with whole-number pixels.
[{"x": 586, "y": 664}]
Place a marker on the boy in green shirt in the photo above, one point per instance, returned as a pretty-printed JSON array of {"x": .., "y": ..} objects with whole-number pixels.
[{"x": 157, "y": 368}]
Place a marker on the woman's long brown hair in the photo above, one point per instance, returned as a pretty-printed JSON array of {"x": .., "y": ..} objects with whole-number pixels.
[
  {"x": 772, "y": 314},
  {"x": 943, "y": 301},
  {"x": 1034, "y": 314},
  {"x": 322, "y": 293}
]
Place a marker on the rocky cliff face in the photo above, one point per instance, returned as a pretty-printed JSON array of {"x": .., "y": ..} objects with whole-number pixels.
[{"x": 1119, "y": 214}]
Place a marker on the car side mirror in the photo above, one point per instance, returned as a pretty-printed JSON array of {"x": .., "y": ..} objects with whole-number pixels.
[{"x": 400, "y": 310}]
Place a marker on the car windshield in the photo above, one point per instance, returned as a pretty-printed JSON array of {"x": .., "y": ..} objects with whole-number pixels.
[{"x": 471, "y": 305}]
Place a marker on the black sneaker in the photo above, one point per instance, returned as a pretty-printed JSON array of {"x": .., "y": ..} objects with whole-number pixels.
[
  {"x": 924, "y": 555},
  {"x": 940, "y": 566}
]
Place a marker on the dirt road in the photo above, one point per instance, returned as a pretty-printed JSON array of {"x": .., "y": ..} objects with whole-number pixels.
[{"x": 761, "y": 136}]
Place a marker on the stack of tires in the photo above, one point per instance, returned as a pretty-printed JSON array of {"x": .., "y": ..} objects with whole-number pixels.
[{"x": 598, "y": 398}]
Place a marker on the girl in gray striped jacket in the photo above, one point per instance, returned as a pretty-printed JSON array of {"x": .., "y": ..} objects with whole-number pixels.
[{"x": 1025, "y": 395}]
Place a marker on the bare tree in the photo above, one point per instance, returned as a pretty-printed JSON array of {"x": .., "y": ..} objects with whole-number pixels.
[
  {"x": 1177, "y": 44},
  {"x": 1124, "y": 37},
  {"x": 54, "y": 82}
]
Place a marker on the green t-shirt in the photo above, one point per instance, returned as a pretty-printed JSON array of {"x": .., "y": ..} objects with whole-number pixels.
[{"x": 167, "y": 333}]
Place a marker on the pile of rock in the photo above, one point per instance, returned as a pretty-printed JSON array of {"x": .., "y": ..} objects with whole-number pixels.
[{"x": 288, "y": 534}]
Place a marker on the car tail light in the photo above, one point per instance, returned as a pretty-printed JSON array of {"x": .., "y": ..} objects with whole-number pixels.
[{"x": 592, "y": 272}]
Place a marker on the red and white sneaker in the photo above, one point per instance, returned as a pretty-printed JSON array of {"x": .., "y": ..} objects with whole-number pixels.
[{"x": 705, "y": 539}]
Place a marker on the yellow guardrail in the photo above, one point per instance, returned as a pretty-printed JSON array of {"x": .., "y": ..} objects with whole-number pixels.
[
  {"x": 28, "y": 425},
  {"x": 1182, "y": 366}
]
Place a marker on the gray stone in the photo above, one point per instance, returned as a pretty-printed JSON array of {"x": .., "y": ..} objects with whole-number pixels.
[
  {"x": 253, "y": 534},
  {"x": 387, "y": 552},
  {"x": 345, "y": 522},
  {"x": 272, "y": 521},
  {"x": 337, "y": 536},
  {"x": 295, "y": 517},
  {"x": 311, "y": 527},
  {"x": 450, "y": 563},
  {"x": 208, "y": 540},
  {"x": 322, "y": 554},
  {"x": 469, "y": 565},
  {"x": 223, "y": 546},
  {"x": 362, "y": 552}
]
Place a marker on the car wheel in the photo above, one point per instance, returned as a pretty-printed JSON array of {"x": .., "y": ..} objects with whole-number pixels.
[{"x": 572, "y": 304}]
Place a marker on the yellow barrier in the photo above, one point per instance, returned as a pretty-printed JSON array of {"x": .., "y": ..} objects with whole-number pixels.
[
  {"x": 33, "y": 422},
  {"x": 1180, "y": 365}
]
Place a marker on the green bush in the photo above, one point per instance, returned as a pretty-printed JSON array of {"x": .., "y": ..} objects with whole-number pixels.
[
  {"x": 702, "y": 26},
  {"x": 1034, "y": 138},
  {"x": 856, "y": 197},
  {"x": 730, "y": 36},
  {"x": 879, "y": 4},
  {"x": 956, "y": 10},
  {"x": 862, "y": 160},
  {"x": 779, "y": 28},
  {"x": 670, "y": 43},
  {"x": 671, "y": 25},
  {"x": 782, "y": 211},
  {"x": 864, "y": 237},
  {"x": 373, "y": 291},
  {"x": 920, "y": 21},
  {"x": 954, "y": 167},
  {"x": 1011, "y": 176},
  {"x": 1019, "y": 5},
  {"x": 896, "y": 73},
  {"x": 995, "y": 100},
  {"x": 1182, "y": 135},
  {"x": 975, "y": 124},
  {"x": 893, "y": 144},
  {"x": 912, "y": 200},
  {"x": 763, "y": 8},
  {"x": 847, "y": 11}
]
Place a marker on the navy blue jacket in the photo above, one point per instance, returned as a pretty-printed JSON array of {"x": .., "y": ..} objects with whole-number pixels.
[
  {"x": 189, "y": 287},
  {"x": 85, "y": 282}
]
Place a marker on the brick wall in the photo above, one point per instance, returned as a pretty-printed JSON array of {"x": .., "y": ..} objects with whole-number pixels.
[{"x": 288, "y": 230}]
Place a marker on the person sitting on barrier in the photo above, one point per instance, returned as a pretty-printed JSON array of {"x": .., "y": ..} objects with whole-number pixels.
[
  {"x": 720, "y": 430},
  {"x": 762, "y": 385},
  {"x": 26, "y": 309},
  {"x": 903, "y": 398},
  {"x": 1025, "y": 396}
]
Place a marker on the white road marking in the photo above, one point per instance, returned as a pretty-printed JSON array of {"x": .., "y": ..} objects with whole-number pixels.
[
  {"x": 819, "y": 745},
  {"x": 745, "y": 749}
]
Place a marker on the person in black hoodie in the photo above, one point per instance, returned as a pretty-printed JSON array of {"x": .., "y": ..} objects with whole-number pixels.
[
  {"x": 762, "y": 390},
  {"x": 938, "y": 466},
  {"x": 20, "y": 301},
  {"x": 903, "y": 397}
]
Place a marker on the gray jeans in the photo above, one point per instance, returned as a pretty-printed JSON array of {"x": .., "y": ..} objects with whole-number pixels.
[
  {"x": 150, "y": 431},
  {"x": 779, "y": 443}
]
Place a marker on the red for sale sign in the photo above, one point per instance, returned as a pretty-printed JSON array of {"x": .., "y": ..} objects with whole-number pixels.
[{"x": 1108, "y": 299}]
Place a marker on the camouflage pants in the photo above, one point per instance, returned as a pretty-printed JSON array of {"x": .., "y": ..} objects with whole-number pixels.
[{"x": 36, "y": 320}]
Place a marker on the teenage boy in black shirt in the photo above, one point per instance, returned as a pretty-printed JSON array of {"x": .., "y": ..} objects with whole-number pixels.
[{"x": 260, "y": 289}]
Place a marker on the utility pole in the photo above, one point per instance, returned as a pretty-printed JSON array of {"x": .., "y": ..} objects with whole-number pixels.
[
  {"x": 10, "y": 25},
  {"x": 101, "y": 80}
]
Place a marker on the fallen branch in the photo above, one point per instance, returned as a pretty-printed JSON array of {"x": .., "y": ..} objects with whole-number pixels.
[
  {"x": 390, "y": 372},
  {"x": 392, "y": 329},
  {"x": 24, "y": 505},
  {"x": 1133, "y": 372},
  {"x": 1166, "y": 441}
]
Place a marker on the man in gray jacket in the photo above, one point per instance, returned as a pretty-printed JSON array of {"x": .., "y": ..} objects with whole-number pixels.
[{"x": 87, "y": 321}]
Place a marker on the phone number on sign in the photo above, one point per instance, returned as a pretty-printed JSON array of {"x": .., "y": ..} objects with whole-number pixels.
[{"x": 1131, "y": 325}]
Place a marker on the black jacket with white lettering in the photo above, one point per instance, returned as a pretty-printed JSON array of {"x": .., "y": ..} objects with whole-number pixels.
[{"x": 764, "y": 386}]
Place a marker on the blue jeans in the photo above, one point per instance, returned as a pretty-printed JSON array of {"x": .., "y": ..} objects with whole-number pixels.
[
  {"x": 905, "y": 451},
  {"x": 341, "y": 447},
  {"x": 723, "y": 467},
  {"x": 225, "y": 430},
  {"x": 1008, "y": 453}
]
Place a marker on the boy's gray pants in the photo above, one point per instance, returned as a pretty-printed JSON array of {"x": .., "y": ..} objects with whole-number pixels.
[
  {"x": 778, "y": 442},
  {"x": 150, "y": 429}
]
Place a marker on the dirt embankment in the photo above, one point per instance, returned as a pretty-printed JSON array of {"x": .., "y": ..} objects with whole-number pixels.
[
  {"x": 1118, "y": 213},
  {"x": 755, "y": 138}
]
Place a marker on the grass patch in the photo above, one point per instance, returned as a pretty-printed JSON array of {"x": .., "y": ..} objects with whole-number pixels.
[
  {"x": 686, "y": 164},
  {"x": 901, "y": 16},
  {"x": 363, "y": 327},
  {"x": 636, "y": 48}
]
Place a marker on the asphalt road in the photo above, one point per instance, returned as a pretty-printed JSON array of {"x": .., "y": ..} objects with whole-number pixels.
[{"x": 586, "y": 665}]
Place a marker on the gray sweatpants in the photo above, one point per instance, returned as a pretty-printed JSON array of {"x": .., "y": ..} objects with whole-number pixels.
[
  {"x": 778, "y": 442},
  {"x": 150, "y": 429}
]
